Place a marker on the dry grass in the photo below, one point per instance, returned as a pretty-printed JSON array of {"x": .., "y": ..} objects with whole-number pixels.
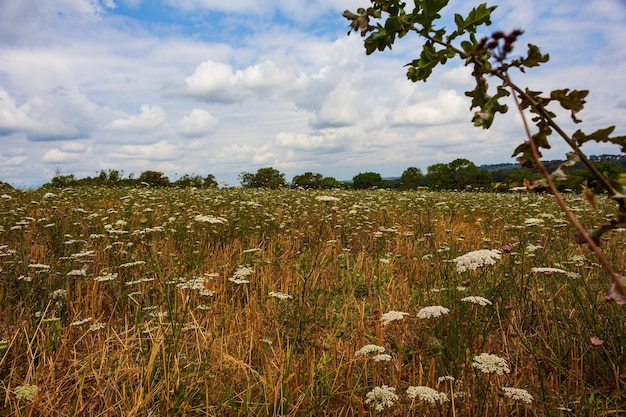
[{"x": 170, "y": 334}]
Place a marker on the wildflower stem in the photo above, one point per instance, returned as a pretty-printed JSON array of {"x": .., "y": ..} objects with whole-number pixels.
[{"x": 616, "y": 278}]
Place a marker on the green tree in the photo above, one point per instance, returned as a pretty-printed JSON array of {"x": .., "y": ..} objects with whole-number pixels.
[
  {"x": 308, "y": 180},
  {"x": 439, "y": 176},
  {"x": 366, "y": 180},
  {"x": 264, "y": 178},
  {"x": 209, "y": 181},
  {"x": 154, "y": 178},
  {"x": 411, "y": 178}
]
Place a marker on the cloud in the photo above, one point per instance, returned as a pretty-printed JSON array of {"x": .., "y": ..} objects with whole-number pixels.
[
  {"x": 198, "y": 123},
  {"x": 306, "y": 142},
  {"x": 150, "y": 118},
  {"x": 26, "y": 119},
  {"x": 57, "y": 156},
  {"x": 217, "y": 82},
  {"x": 447, "y": 107},
  {"x": 160, "y": 151}
]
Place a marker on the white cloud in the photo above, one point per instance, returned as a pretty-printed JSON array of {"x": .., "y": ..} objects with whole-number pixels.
[
  {"x": 25, "y": 119},
  {"x": 57, "y": 156},
  {"x": 160, "y": 151},
  {"x": 198, "y": 123},
  {"x": 150, "y": 118},
  {"x": 216, "y": 82},
  {"x": 447, "y": 107}
]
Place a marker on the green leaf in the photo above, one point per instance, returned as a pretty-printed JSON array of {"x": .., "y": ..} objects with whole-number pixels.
[
  {"x": 535, "y": 57},
  {"x": 570, "y": 100},
  {"x": 600, "y": 135},
  {"x": 478, "y": 16}
]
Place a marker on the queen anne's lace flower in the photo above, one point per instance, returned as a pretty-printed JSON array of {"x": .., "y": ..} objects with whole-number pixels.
[
  {"x": 518, "y": 394},
  {"x": 427, "y": 395},
  {"x": 476, "y": 259},
  {"x": 381, "y": 397},
  {"x": 432, "y": 312},
  {"x": 489, "y": 364},
  {"x": 367, "y": 349},
  {"x": 392, "y": 316},
  {"x": 477, "y": 300}
]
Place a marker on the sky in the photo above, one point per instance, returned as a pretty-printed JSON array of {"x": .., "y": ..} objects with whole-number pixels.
[{"x": 221, "y": 87}]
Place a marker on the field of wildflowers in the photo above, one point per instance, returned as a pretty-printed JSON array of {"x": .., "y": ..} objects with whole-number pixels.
[{"x": 241, "y": 302}]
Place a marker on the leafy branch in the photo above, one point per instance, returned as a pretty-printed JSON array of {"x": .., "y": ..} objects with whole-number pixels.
[{"x": 492, "y": 57}]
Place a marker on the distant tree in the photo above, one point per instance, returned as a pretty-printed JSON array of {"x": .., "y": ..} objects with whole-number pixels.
[
  {"x": 330, "y": 182},
  {"x": 411, "y": 178},
  {"x": 440, "y": 176},
  {"x": 209, "y": 181},
  {"x": 516, "y": 177},
  {"x": 61, "y": 181},
  {"x": 189, "y": 181},
  {"x": 154, "y": 178},
  {"x": 308, "y": 180},
  {"x": 264, "y": 178},
  {"x": 458, "y": 174},
  {"x": 366, "y": 180}
]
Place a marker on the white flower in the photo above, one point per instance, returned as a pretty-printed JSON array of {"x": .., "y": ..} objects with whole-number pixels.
[
  {"x": 326, "y": 198},
  {"x": 79, "y": 322},
  {"x": 26, "y": 392},
  {"x": 533, "y": 222},
  {"x": 426, "y": 394},
  {"x": 97, "y": 326},
  {"x": 367, "y": 349},
  {"x": 548, "y": 271},
  {"x": 432, "y": 312},
  {"x": 106, "y": 277},
  {"x": 280, "y": 295},
  {"x": 477, "y": 300},
  {"x": 488, "y": 363},
  {"x": 381, "y": 397},
  {"x": 210, "y": 219},
  {"x": 518, "y": 394},
  {"x": 382, "y": 357},
  {"x": 392, "y": 316},
  {"x": 474, "y": 260}
]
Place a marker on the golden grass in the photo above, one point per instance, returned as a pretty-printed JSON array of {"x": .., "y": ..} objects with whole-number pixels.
[{"x": 234, "y": 350}]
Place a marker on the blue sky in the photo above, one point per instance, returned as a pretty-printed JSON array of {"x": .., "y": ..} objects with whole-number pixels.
[{"x": 221, "y": 87}]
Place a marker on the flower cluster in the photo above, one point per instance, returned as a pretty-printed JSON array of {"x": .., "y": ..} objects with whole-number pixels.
[
  {"x": 474, "y": 260},
  {"x": 381, "y": 397},
  {"x": 432, "y": 312},
  {"x": 489, "y": 364},
  {"x": 392, "y": 316}
]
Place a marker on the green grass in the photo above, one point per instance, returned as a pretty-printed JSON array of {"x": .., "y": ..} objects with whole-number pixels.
[{"x": 136, "y": 312}]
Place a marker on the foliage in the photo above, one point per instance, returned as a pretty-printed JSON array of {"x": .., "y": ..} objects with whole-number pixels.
[
  {"x": 491, "y": 57},
  {"x": 458, "y": 174},
  {"x": 120, "y": 299},
  {"x": 411, "y": 179},
  {"x": 196, "y": 181},
  {"x": 154, "y": 178},
  {"x": 264, "y": 178},
  {"x": 367, "y": 180},
  {"x": 310, "y": 180}
]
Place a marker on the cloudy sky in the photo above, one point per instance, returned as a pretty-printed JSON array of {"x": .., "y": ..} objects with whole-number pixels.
[{"x": 221, "y": 87}]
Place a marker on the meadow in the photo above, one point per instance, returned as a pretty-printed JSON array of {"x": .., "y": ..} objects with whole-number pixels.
[{"x": 243, "y": 302}]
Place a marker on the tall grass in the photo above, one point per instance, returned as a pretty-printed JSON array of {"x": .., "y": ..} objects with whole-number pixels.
[{"x": 141, "y": 302}]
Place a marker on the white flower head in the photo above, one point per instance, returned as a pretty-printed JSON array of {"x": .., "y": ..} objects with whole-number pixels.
[
  {"x": 432, "y": 312},
  {"x": 392, "y": 316},
  {"x": 549, "y": 271},
  {"x": 426, "y": 394},
  {"x": 327, "y": 198},
  {"x": 474, "y": 260},
  {"x": 382, "y": 357},
  {"x": 489, "y": 364},
  {"x": 367, "y": 349},
  {"x": 518, "y": 394},
  {"x": 26, "y": 392},
  {"x": 381, "y": 397},
  {"x": 280, "y": 295},
  {"x": 477, "y": 300}
]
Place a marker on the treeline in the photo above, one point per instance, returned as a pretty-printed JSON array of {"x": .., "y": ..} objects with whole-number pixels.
[{"x": 460, "y": 174}]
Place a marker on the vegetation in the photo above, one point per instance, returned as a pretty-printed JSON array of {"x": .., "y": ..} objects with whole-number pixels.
[
  {"x": 264, "y": 178},
  {"x": 232, "y": 302},
  {"x": 492, "y": 58}
]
